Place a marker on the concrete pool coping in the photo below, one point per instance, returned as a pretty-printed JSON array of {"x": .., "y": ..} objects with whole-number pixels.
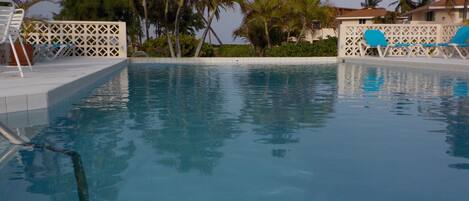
[
  {"x": 457, "y": 65},
  {"x": 52, "y": 82},
  {"x": 419, "y": 62}
]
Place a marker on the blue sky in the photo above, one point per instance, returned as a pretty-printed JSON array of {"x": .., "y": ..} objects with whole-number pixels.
[{"x": 228, "y": 22}]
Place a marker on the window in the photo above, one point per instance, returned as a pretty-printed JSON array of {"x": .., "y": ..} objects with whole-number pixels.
[
  {"x": 430, "y": 16},
  {"x": 362, "y": 21}
]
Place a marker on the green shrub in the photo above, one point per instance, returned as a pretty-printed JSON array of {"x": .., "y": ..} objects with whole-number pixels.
[
  {"x": 322, "y": 48},
  {"x": 159, "y": 47},
  {"x": 234, "y": 51}
]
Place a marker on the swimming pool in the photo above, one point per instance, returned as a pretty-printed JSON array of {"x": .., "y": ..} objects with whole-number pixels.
[{"x": 235, "y": 133}]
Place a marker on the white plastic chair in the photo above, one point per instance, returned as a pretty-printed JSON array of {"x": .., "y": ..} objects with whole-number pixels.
[
  {"x": 15, "y": 31},
  {"x": 10, "y": 23}
]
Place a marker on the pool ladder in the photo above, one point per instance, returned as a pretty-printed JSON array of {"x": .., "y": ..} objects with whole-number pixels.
[{"x": 79, "y": 171}]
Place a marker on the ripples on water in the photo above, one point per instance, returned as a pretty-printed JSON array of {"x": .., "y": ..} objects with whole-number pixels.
[{"x": 258, "y": 133}]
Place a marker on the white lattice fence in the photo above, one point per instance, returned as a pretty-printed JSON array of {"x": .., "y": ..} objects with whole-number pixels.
[
  {"x": 91, "y": 39},
  {"x": 352, "y": 35}
]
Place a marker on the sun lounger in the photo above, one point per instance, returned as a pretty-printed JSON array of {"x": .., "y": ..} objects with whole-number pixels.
[
  {"x": 458, "y": 43},
  {"x": 375, "y": 39}
]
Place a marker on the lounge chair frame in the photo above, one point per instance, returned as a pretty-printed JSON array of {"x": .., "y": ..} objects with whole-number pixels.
[{"x": 384, "y": 47}]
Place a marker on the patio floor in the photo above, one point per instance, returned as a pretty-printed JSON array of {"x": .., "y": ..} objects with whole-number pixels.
[{"x": 51, "y": 82}]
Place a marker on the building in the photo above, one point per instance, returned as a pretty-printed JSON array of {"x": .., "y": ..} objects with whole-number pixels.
[
  {"x": 342, "y": 10},
  {"x": 438, "y": 12},
  {"x": 320, "y": 32},
  {"x": 362, "y": 16}
]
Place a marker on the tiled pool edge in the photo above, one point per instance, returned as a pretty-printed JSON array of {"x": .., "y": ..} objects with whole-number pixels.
[
  {"x": 67, "y": 92},
  {"x": 65, "y": 96},
  {"x": 457, "y": 65},
  {"x": 47, "y": 99},
  {"x": 237, "y": 60}
]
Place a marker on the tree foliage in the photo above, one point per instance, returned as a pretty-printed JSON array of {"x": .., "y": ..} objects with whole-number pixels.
[
  {"x": 371, "y": 3},
  {"x": 268, "y": 23},
  {"x": 132, "y": 12}
]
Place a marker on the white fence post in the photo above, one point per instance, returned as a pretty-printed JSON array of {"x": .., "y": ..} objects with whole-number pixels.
[
  {"x": 123, "y": 39},
  {"x": 340, "y": 46}
]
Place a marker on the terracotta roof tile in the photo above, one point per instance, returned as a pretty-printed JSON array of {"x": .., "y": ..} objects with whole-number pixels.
[
  {"x": 366, "y": 12},
  {"x": 443, "y": 3}
]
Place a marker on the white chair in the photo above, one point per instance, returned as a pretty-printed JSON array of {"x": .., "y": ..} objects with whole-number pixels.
[
  {"x": 15, "y": 31},
  {"x": 10, "y": 23}
]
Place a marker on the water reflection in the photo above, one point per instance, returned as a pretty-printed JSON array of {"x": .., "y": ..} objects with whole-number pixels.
[
  {"x": 282, "y": 100},
  {"x": 254, "y": 133},
  {"x": 95, "y": 129},
  {"x": 439, "y": 96},
  {"x": 181, "y": 113}
]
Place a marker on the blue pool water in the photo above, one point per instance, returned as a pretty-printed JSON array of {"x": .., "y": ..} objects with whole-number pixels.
[{"x": 257, "y": 133}]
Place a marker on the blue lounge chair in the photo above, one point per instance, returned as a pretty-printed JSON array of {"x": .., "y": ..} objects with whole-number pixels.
[
  {"x": 459, "y": 41},
  {"x": 375, "y": 39}
]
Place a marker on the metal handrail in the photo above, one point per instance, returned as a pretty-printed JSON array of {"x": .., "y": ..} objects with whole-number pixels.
[{"x": 79, "y": 171}]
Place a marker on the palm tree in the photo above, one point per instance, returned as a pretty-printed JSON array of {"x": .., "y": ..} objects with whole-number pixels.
[
  {"x": 371, "y": 3},
  {"x": 167, "y": 30},
  {"x": 451, "y": 3},
  {"x": 145, "y": 14},
  {"x": 309, "y": 11},
  {"x": 404, "y": 5},
  {"x": 421, "y": 3},
  {"x": 27, "y": 4},
  {"x": 213, "y": 8},
  {"x": 465, "y": 10},
  {"x": 181, "y": 4},
  {"x": 264, "y": 11}
]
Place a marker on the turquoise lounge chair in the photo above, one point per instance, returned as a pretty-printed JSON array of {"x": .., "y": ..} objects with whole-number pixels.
[
  {"x": 375, "y": 39},
  {"x": 457, "y": 43}
]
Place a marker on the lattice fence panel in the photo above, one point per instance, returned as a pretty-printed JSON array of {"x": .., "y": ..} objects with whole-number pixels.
[
  {"x": 91, "y": 39},
  {"x": 352, "y": 35}
]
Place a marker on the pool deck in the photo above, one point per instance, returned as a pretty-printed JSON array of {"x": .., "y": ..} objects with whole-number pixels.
[
  {"x": 52, "y": 82},
  {"x": 418, "y": 62}
]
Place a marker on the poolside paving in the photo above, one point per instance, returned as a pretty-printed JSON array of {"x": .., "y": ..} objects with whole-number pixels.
[{"x": 51, "y": 82}]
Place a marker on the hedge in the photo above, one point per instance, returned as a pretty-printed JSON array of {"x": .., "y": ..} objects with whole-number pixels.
[
  {"x": 234, "y": 51},
  {"x": 323, "y": 48}
]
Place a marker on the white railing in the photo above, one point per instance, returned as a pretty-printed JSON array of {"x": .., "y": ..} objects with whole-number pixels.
[
  {"x": 350, "y": 36},
  {"x": 91, "y": 39}
]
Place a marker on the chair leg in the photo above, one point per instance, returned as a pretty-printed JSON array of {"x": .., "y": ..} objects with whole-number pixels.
[
  {"x": 362, "y": 50},
  {"x": 25, "y": 53},
  {"x": 380, "y": 52},
  {"x": 386, "y": 50},
  {"x": 459, "y": 52},
  {"x": 442, "y": 52},
  {"x": 58, "y": 53},
  {"x": 16, "y": 56},
  {"x": 409, "y": 52}
]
